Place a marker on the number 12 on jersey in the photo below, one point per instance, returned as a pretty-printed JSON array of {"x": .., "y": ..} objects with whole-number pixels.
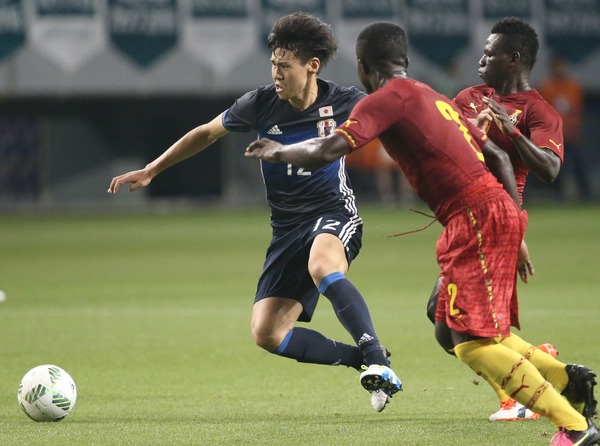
[{"x": 300, "y": 171}]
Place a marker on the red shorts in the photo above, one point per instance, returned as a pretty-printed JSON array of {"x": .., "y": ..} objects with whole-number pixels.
[{"x": 477, "y": 252}]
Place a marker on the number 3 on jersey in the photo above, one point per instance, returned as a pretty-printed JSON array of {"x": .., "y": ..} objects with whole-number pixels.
[
  {"x": 300, "y": 171},
  {"x": 452, "y": 115}
]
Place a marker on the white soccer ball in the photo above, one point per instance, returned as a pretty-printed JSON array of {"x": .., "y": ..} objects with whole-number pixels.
[{"x": 47, "y": 393}]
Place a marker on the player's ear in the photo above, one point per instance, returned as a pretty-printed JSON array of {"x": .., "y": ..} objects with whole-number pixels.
[
  {"x": 314, "y": 65},
  {"x": 515, "y": 57},
  {"x": 407, "y": 62},
  {"x": 363, "y": 66}
]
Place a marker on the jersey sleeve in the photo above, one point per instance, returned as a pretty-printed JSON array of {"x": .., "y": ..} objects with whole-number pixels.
[
  {"x": 241, "y": 116},
  {"x": 545, "y": 128},
  {"x": 464, "y": 102},
  {"x": 461, "y": 99},
  {"x": 369, "y": 119}
]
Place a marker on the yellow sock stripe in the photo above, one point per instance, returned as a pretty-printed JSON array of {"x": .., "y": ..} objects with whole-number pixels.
[
  {"x": 511, "y": 375},
  {"x": 538, "y": 393},
  {"x": 530, "y": 351}
]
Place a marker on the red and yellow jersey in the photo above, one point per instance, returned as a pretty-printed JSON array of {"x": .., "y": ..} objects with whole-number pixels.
[
  {"x": 436, "y": 148},
  {"x": 532, "y": 115}
]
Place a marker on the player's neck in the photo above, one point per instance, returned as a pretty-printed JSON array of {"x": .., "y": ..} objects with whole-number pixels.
[
  {"x": 400, "y": 73},
  {"x": 513, "y": 86},
  {"x": 307, "y": 96},
  {"x": 396, "y": 73}
]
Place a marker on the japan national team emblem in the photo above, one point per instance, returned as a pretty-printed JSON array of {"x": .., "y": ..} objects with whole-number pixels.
[
  {"x": 326, "y": 111},
  {"x": 326, "y": 127}
]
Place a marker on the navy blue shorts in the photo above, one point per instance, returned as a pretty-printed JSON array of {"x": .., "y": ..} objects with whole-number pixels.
[{"x": 285, "y": 271}]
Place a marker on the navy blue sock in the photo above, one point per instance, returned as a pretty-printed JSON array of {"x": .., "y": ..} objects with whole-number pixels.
[
  {"x": 310, "y": 346},
  {"x": 351, "y": 309}
]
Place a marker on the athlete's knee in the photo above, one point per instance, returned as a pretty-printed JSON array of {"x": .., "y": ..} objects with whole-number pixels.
[
  {"x": 327, "y": 255},
  {"x": 265, "y": 339},
  {"x": 318, "y": 268},
  {"x": 272, "y": 319},
  {"x": 268, "y": 335}
]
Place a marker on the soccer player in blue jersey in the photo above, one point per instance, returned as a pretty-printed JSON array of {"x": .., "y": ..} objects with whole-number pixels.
[{"x": 315, "y": 225}]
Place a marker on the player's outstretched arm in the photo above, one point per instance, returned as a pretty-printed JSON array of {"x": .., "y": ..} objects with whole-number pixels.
[
  {"x": 190, "y": 144},
  {"x": 544, "y": 163},
  {"x": 313, "y": 153}
]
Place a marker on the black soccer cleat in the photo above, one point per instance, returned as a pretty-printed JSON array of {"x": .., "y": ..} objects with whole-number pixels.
[
  {"x": 386, "y": 353},
  {"x": 580, "y": 389}
]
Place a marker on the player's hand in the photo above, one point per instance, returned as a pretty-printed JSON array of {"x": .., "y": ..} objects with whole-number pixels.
[
  {"x": 265, "y": 149},
  {"x": 483, "y": 120},
  {"x": 524, "y": 265},
  {"x": 137, "y": 179},
  {"x": 500, "y": 116}
]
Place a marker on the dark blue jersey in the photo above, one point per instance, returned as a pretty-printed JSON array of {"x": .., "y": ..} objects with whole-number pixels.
[{"x": 294, "y": 193}]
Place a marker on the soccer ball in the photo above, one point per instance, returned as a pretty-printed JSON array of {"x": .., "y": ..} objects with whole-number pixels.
[{"x": 47, "y": 393}]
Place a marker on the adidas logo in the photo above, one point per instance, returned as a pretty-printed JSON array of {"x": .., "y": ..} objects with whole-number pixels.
[
  {"x": 274, "y": 131},
  {"x": 364, "y": 338}
]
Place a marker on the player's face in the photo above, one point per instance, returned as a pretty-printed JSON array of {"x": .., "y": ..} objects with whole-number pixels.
[
  {"x": 494, "y": 65},
  {"x": 290, "y": 75}
]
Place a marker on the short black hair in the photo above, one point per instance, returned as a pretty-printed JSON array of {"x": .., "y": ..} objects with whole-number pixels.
[
  {"x": 382, "y": 43},
  {"x": 305, "y": 35},
  {"x": 518, "y": 35}
]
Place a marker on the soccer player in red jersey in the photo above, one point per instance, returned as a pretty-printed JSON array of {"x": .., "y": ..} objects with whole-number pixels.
[
  {"x": 529, "y": 130},
  {"x": 438, "y": 151},
  {"x": 518, "y": 119}
]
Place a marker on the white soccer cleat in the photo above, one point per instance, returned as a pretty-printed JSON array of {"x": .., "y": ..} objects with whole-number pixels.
[
  {"x": 378, "y": 400},
  {"x": 511, "y": 410},
  {"x": 380, "y": 377}
]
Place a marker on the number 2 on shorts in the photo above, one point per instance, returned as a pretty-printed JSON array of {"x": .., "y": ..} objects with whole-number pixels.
[{"x": 452, "y": 292}]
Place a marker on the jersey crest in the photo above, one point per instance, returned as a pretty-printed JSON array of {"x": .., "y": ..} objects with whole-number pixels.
[
  {"x": 513, "y": 117},
  {"x": 326, "y": 127}
]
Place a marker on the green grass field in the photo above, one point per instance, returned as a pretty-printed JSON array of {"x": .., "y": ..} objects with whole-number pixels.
[{"x": 150, "y": 315}]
